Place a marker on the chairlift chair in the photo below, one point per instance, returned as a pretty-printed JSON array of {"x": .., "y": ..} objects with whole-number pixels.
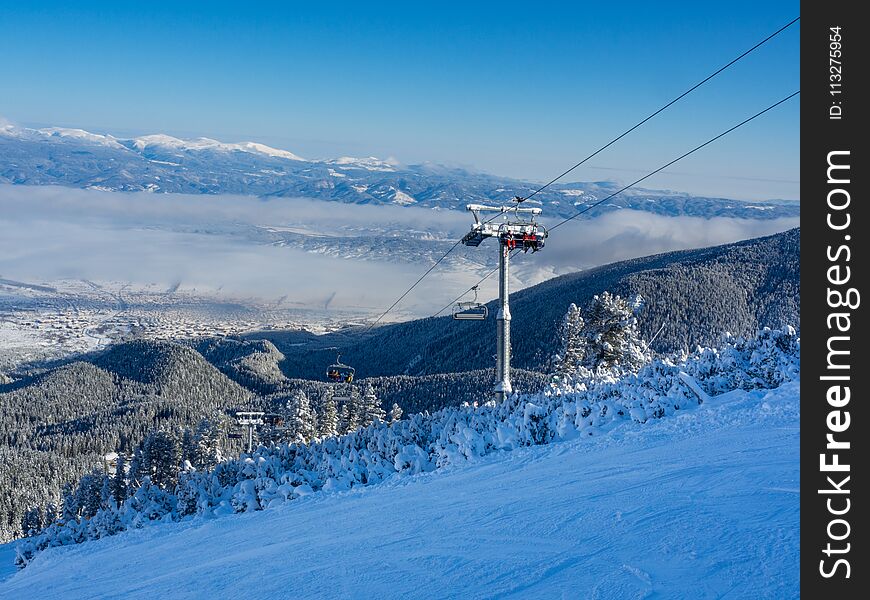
[
  {"x": 338, "y": 372},
  {"x": 274, "y": 420},
  {"x": 470, "y": 311},
  {"x": 342, "y": 376}
]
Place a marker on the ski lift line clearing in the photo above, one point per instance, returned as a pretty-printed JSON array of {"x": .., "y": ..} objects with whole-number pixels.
[{"x": 470, "y": 311}]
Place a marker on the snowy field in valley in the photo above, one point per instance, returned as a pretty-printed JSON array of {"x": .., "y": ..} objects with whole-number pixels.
[{"x": 703, "y": 504}]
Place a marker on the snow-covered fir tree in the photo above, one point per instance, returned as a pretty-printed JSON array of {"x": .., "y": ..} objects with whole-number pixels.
[
  {"x": 188, "y": 448},
  {"x": 206, "y": 445},
  {"x": 119, "y": 481},
  {"x": 355, "y": 410},
  {"x": 300, "y": 418},
  {"x": 395, "y": 413},
  {"x": 50, "y": 515},
  {"x": 107, "y": 498},
  {"x": 570, "y": 359},
  {"x": 69, "y": 503},
  {"x": 613, "y": 341},
  {"x": 157, "y": 458},
  {"x": 371, "y": 407},
  {"x": 327, "y": 420},
  {"x": 604, "y": 342},
  {"x": 33, "y": 521},
  {"x": 89, "y": 494},
  {"x": 343, "y": 418}
]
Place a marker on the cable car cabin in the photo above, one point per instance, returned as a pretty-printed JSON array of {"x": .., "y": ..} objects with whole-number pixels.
[
  {"x": 525, "y": 241},
  {"x": 470, "y": 311}
]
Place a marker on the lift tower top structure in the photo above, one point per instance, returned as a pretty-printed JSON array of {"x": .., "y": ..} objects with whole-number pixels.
[{"x": 513, "y": 232}]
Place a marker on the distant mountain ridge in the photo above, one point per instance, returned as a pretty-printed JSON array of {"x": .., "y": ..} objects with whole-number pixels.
[{"x": 166, "y": 164}]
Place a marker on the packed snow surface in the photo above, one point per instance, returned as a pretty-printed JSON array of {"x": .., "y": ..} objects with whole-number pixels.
[{"x": 701, "y": 504}]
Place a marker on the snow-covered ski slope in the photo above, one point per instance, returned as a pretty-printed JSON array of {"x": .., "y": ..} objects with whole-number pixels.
[{"x": 702, "y": 504}]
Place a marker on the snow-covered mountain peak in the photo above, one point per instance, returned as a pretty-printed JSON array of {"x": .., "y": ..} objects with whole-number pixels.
[
  {"x": 204, "y": 143},
  {"x": 157, "y": 139},
  {"x": 370, "y": 163},
  {"x": 141, "y": 143},
  {"x": 81, "y": 135},
  {"x": 268, "y": 150}
]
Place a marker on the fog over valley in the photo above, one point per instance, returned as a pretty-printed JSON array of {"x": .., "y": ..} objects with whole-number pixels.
[{"x": 307, "y": 253}]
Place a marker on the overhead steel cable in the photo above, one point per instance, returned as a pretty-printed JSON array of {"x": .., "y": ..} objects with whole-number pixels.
[
  {"x": 459, "y": 297},
  {"x": 666, "y": 106},
  {"x": 647, "y": 176},
  {"x": 601, "y": 149},
  {"x": 416, "y": 283},
  {"x": 679, "y": 158}
]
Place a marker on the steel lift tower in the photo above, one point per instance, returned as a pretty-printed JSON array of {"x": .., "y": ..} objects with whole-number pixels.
[
  {"x": 250, "y": 419},
  {"x": 513, "y": 233}
]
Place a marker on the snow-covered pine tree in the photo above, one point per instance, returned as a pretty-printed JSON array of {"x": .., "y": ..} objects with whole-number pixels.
[
  {"x": 343, "y": 418},
  {"x": 189, "y": 491},
  {"x": 188, "y": 447},
  {"x": 32, "y": 522},
  {"x": 70, "y": 505},
  {"x": 88, "y": 493},
  {"x": 612, "y": 340},
  {"x": 119, "y": 481},
  {"x": 207, "y": 448},
  {"x": 157, "y": 458},
  {"x": 395, "y": 413},
  {"x": 107, "y": 499},
  {"x": 355, "y": 412},
  {"x": 50, "y": 514},
  {"x": 371, "y": 406},
  {"x": 165, "y": 454},
  {"x": 327, "y": 421},
  {"x": 570, "y": 359},
  {"x": 300, "y": 418}
]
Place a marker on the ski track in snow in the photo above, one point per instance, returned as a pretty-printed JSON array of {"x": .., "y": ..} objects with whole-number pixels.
[
  {"x": 704, "y": 504},
  {"x": 7, "y": 558}
]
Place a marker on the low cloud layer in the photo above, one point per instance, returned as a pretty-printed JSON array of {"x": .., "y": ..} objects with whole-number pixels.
[{"x": 49, "y": 233}]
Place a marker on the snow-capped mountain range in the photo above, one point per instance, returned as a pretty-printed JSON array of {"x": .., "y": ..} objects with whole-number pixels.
[{"x": 162, "y": 163}]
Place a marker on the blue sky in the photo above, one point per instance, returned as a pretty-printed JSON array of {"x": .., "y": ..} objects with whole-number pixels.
[{"x": 523, "y": 90}]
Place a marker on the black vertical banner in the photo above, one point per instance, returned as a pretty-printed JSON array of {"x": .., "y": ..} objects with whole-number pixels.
[{"x": 834, "y": 371}]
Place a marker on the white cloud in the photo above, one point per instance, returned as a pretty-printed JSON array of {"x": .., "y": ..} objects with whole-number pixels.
[{"x": 50, "y": 233}]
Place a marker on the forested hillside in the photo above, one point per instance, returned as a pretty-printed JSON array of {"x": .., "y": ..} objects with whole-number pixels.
[{"x": 59, "y": 425}]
